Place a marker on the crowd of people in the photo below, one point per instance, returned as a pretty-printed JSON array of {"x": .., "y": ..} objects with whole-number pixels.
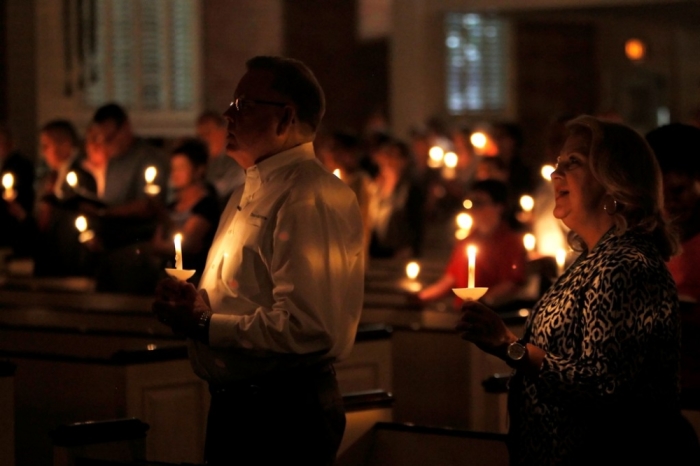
[{"x": 280, "y": 246}]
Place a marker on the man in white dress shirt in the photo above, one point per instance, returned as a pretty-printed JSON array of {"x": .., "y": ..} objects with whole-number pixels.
[{"x": 282, "y": 292}]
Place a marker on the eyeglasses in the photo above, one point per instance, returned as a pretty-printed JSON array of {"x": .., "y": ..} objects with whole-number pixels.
[{"x": 241, "y": 104}]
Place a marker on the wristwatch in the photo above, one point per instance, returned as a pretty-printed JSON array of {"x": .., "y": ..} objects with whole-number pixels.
[{"x": 516, "y": 352}]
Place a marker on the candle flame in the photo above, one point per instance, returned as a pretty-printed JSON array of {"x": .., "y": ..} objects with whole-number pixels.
[
  {"x": 527, "y": 203},
  {"x": 464, "y": 221},
  {"x": 450, "y": 160},
  {"x": 478, "y": 140},
  {"x": 150, "y": 174},
  {"x": 435, "y": 156},
  {"x": 336, "y": 172},
  {"x": 81, "y": 223},
  {"x": 529, "y": 242},
  {"x": 72, "y": 179},
  {"x": 8, "y": 180},
  {"x": 412, "y": 270},
  {"x": 547, "y": 171}
]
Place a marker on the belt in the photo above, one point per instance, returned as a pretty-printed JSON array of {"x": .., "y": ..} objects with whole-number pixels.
[{"x": 279, "y": 380}]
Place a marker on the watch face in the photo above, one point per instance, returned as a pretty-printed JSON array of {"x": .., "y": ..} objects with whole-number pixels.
[{"x": 516, "y": 351}]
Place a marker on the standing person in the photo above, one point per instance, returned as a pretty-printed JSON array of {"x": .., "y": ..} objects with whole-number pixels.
[
  {"x": 223, "y": 173},
  {"x": 281, "y": 294},
  {"x": 127, "y": 223},
  {"x": 597, "y": 370}
]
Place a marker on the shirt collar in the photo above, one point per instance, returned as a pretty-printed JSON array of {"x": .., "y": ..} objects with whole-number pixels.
[{"x": 296, "y": 154}]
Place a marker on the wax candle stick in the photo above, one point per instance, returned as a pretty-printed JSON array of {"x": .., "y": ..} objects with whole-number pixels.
[
  {"x": 178, "y": 251},
  {"x": 471, "y": 256},
  {"x": 150, "y": 176}
]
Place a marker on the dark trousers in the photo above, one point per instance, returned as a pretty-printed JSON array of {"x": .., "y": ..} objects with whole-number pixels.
[{"x": 297, "y": 418}]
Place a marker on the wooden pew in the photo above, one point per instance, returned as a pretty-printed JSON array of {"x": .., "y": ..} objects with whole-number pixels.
[
  {"x": 7, "y": 413},
  {"x": 389, "y": 444}
]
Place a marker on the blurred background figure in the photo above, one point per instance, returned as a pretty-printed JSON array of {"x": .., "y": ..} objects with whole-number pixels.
[
  {"x": 396, "y": 204},
  {"x": 194, "y": 213},
  {"x": 95, "y": 160},
  {"x": 16, "y": 210},
  {"x": 500, "y": 258},
  {"x": 677, "y": 148},
  {"x": 344, "y": 151},
  {"x": 58, "y": 251},
  {"x": 127, "y": 223},
  {"x": 223, "y": 173}
]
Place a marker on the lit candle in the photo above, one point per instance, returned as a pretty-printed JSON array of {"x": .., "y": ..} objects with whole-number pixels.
[
  {"x": 72, "y": 179},
  {"x": 471, "y": 256},
  {"x": 547, "y": 171},
  {"x": 529, "y": 242},
  {"x": 82, "y": 226},
  {"x": 150, "y": 176},
  {"x": 178, "y": 251},
  {"x": 8, "y": 182},
  {"x": 450, "y": 160},
  {"x": 527, "y": 203},
  {"x": 435, "y": 157},
  {"x": 412, "y": 270},
  {"x": 561, "y": 260},
  {"x": 336, "y": 172}
]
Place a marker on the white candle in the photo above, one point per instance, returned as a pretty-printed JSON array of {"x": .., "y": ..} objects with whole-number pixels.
[
  {"x": 527, "y": 203},
  {"x": 8, "y": 182},
  {"x": 412, "y": 270},
  {"x": 471, "y": 256},
  {"x": 178, "y": 251},
  {"x": 82, "y": 226}
]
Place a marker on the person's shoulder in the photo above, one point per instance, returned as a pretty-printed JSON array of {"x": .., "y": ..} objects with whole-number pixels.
[
  {"x": 311, "y": 180},
  {"x": 632, "y": 253}
]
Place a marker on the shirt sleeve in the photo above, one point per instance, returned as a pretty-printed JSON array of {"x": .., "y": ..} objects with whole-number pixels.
[
  {"x": 317, "y": 272},
  {"x": 628, "y": 314}
]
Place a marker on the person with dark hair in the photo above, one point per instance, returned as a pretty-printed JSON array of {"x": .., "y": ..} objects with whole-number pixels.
[
  {"x": 501, "y": 255},
  {"x": 396, "y": 211},
  {"x": 677, "y": 149},
  {"x": 16, "y": 211},
  {"x": 58, "y": 251},
  {"x": 281, "y": 294},
  {"x": 195, "y": 211},
  {"x": 127, "y": 222},
  {"x": 223, "y": 173},
  {"x": 596, "y": 371}
]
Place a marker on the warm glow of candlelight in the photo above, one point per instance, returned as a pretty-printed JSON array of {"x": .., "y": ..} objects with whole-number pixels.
[
  {"x": 8, "y": 182},
  {"x": 527, "y": 203},
  {"x": 450, "y": 160},
  {"x": 435, "y": 156},
  {"x": 336, "y": 172},
  {"x": 81, "y": 223},
  {"x": 464, "y": 221},
  {"x": 150, "y": 174},
  {"x": 72, "y": 179},
  {"x": 547, "y": 171},
  {"x": 529, "y": 242},
  {"x": 561, "y": 260},
  {"x": 412, "y": 270},
  {"x": 478, "y": 140},
  {"x": 178, "y": 251},
  {"x": 471, "y": 257}
]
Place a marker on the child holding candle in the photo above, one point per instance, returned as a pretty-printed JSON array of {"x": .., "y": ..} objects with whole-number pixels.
[{"x": 499, "y": 255}]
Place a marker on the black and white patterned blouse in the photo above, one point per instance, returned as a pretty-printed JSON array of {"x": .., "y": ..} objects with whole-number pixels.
[{"x": 610, "y": 329}]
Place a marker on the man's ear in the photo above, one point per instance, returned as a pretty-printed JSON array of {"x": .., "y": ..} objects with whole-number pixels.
[{"x": 289, "y": 118}]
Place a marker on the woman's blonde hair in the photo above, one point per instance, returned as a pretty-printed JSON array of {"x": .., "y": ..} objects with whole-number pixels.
[{"x": 622, "y": 162}]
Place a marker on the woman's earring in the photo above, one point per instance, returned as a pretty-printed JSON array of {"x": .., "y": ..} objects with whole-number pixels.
[{"x": 610, "y": 209}]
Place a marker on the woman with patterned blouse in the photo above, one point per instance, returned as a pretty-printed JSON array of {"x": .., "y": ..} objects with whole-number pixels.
[{"x": 596, "y": 373}]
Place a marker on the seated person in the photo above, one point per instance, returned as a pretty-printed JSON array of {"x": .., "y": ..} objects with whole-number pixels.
[
  {"x": 194, "y": 213},
  {"x": 500, "y": 258}
]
